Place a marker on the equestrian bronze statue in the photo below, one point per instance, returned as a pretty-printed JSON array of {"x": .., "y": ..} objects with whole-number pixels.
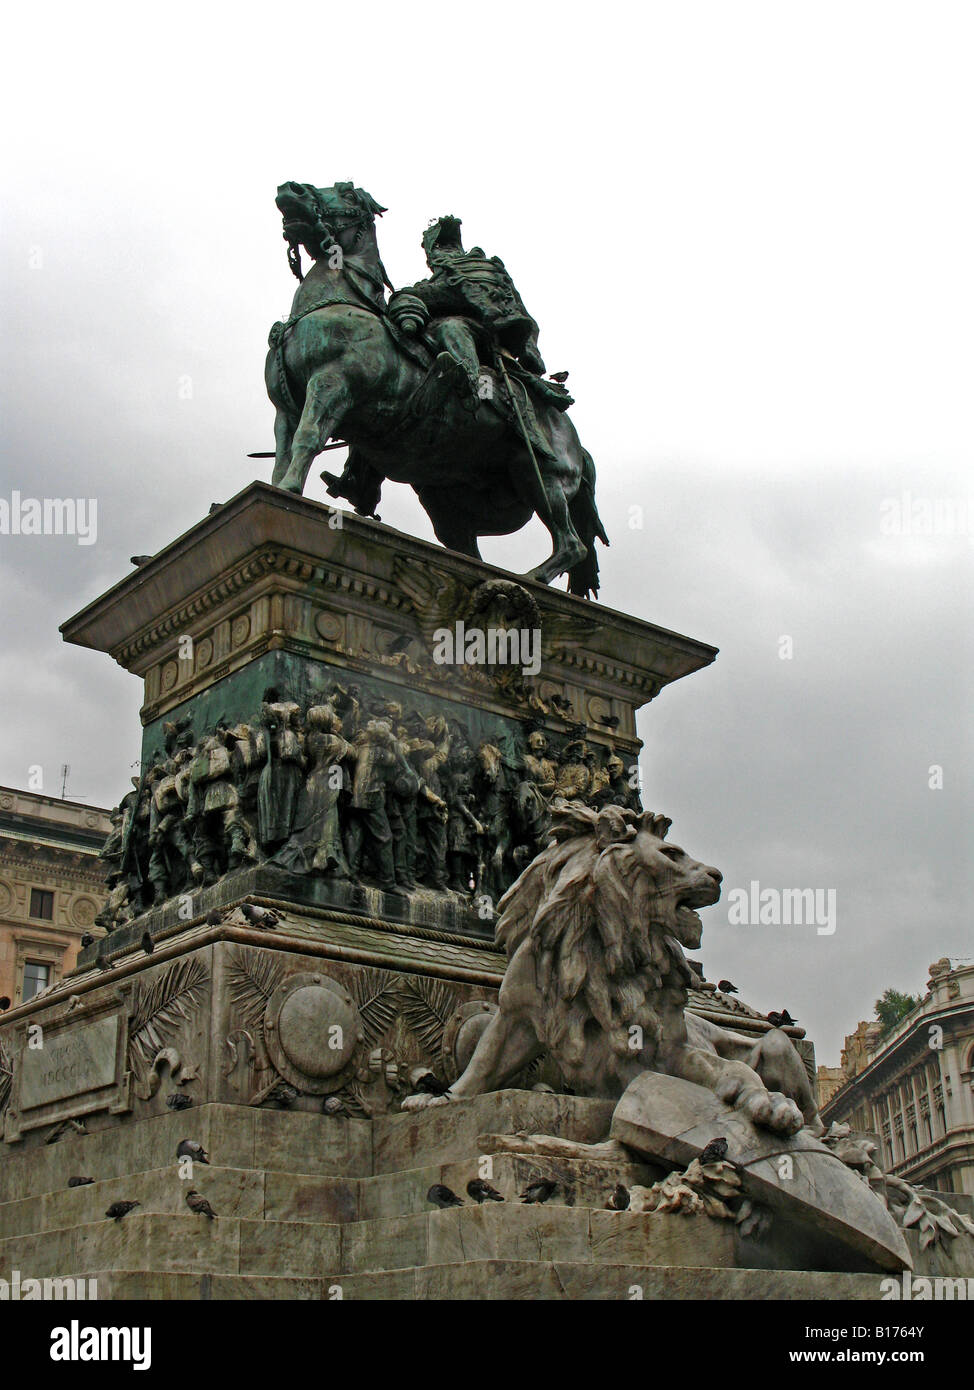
[{"x": 441, "y": 387}]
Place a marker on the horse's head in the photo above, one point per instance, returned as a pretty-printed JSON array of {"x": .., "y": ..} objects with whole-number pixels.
[{"x": 320, "y": 218}]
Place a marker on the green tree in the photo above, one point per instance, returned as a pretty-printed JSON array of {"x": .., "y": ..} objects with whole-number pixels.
[{"x": 893, "y": 1006}]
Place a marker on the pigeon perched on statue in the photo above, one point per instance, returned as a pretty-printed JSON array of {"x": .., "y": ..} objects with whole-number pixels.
[
  {"x": 443, "y": 1197},
  {"x": 119, "y": 1209},
  {"x": 177, "y": 1101},
  {"x": 259, "y": 916},
  {"x": 188, "y": 1148},
  {"x": 715, "y": 1151},
  {"x": 79, "y": 1182},
  {"x": 726, "y": 987},
  {"x": 430, "y": 1085},
  {"x": 482, "y": 1191},
  {"x": 781, "y": 1019},
  {"x": 538, "y": 1191},
  {"x": 197, "y": 1203},
  {"x": 619, "y": 1198}
]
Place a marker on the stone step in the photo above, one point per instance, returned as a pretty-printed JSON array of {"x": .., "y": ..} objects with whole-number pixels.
[
  {"x": 492, "y": 1280},
  {"x": 449, "y": 1133},
  {"x": 547, "y": 1234},
  {"x": 167, "y": 1243},
  {"x": 281, "y": 1196},
  {"x": 581, "y": 1182},
  {"x": 235, "y": 1136},
  {"x": 176, "y": 1241}
]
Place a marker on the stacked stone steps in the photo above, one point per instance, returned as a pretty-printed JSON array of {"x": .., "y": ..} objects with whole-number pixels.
[{"x": 311, "y": 1206}]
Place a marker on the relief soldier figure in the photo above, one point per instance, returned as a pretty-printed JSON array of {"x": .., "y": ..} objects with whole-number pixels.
[
  {"x": 281, "y": 743},
  {"x": 537, "y": 785},
  {"x": 463, "y": 830},
  {"x": 431, "y": 809},
  {"x": 375, "y": 755},
  {"x": 172, "y": 861},
  {"x": 315, "y": 844}
]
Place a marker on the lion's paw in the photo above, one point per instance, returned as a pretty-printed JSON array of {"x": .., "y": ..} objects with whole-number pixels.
[
  {"x": 765, "y": 1109},
  {"x": 423, "y": 1102}
]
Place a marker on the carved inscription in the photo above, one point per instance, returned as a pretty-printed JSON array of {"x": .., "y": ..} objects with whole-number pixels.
[{"x": 69, "y": 1064}]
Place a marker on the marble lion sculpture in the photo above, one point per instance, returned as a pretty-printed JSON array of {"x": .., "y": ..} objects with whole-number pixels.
[{"x": 594, "y": 930}]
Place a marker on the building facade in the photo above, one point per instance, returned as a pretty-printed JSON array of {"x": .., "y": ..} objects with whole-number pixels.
[
  {"x": 914, "y": 1088},
  {"x": 51, "y": 887}
]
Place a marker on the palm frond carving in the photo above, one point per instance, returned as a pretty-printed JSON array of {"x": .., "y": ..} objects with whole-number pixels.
[
  {"x": 376, "y": 996},
  {"x": 161, "y": 1006},
  {"x": 253, "y": 977},
  {"x": 426, "y": 1005}
]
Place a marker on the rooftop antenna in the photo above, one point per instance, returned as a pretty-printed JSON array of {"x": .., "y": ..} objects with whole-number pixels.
[{"x": 65, "y": 771}]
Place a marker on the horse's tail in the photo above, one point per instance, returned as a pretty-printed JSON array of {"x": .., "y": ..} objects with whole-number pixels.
[{"x": 583, "y": 578}]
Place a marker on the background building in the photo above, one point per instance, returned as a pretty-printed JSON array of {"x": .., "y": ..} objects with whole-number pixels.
[
  {"x": 914, "y": 1088},
  {"x": 51, "y": 886}
]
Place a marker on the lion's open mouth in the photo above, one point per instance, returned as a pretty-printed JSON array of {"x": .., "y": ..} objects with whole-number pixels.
[{"x": 686, "y": 919}]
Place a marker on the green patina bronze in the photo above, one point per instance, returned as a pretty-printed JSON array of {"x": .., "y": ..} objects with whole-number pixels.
[{"x": 441, "y": 387}]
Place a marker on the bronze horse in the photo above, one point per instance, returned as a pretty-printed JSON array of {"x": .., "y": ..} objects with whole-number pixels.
[{"x": 340, "y": 369}]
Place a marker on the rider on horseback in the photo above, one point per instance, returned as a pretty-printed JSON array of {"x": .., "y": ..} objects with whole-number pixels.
[{"x": 471, "y": 310}]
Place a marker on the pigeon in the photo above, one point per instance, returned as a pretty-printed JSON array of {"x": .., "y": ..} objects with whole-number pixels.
[
  {"x": 119, "y": 1209},
  {"x": 611, "y": 721},
  {"x": 214, "y": 507},
  {"x": 726, "y": 987},
  {"x": 482, "y": 1191},
  {"x": 333, "y": 1105},
  {"x": 558, "y": 376},
  {"x": 619, "y": 1200},
  {"x": 188, "y": 1148},
  {"x": 139, "y": 560},
  {"x": 282, "y": 1094},
  {"x": 86, "y": 940},
  {"x": 538, "y": 1191},
  {"x": 786, "y": 1019},
  {"x": 715, "y": 1151},
  {"x": 79, "y": 1182},
  {"x": 442, "y": 1197},
  {"x": 259, "y": 916},
  {"x": 148, "y": 945},
  {"x": 214, "y": 917},
  {"x": 198, "y": 1204},
  {"x": 430, "y": 1085},
  {"x": 177, "y": 1101}
]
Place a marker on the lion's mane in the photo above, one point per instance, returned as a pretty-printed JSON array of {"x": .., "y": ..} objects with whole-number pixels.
[{"x": 586, "y": 909}]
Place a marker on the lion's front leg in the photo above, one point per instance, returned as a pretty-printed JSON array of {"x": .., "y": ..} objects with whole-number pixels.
[
  {"x": 772, "y": 1056},
  {"x": 738, "y": 1085}
]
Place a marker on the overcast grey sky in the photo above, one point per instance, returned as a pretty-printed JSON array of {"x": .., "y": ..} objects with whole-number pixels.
[{"x": 747, "y": 231}]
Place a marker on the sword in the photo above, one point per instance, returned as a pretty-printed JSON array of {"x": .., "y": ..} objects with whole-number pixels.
[{"x": 541, "y": 498}]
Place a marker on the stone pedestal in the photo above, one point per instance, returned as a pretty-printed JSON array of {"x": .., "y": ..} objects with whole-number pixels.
[
  {"x": 341, "y": 991},
  {"x": 277, "y": 590}
]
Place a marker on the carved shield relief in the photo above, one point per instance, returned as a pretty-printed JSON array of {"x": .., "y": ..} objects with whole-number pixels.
[{"x": 312, "y": 1029}]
